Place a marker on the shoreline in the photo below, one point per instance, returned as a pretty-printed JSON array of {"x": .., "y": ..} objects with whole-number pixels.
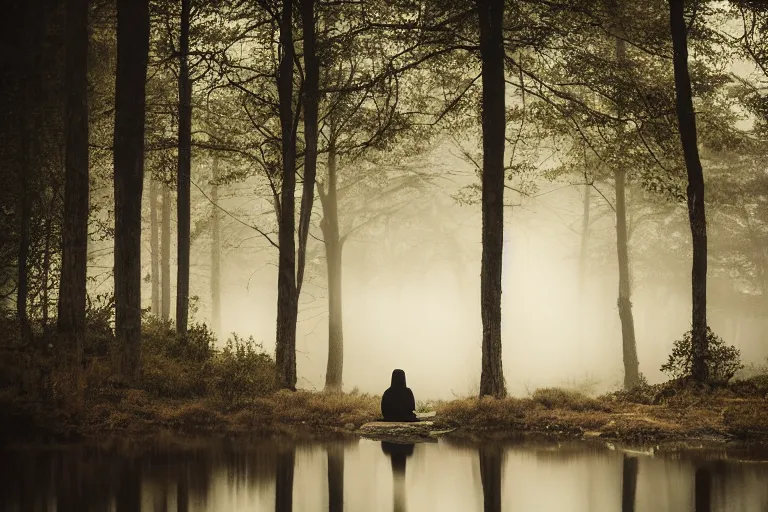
[{"x": 553, "y": 414}]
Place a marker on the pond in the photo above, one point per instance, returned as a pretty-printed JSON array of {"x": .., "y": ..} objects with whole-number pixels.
[{"x": 362, "y": 475}]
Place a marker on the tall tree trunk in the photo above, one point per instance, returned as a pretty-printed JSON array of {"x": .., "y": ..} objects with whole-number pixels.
[
  {"x": 584, "y": 239},
  {"x": 696, "y": 215},
  {"x": 628, "y": 342},
  {"x": 154, "y": 246},
  {"x": 215, "y": 251},
  {"x": 491, "y": 14},
  {"x": 34, "y": 33},
  {"x": 310, "y": 102},
  {"x": 333, "y": 257},
  {"x": 628, "y": 483},
  {"x": 287, "y": 299},
  {"x": 25, "y": 213},
  {"x": 183, "y": 175},
  {"x": 165, "y": 256},
  {"x": 132, "y": 54},
  {"x": 490, "y": 476},
  {"x": 629, "y": 348},
  {"x": 46, "y": 277},
  {"x": 335, "y": 477}
]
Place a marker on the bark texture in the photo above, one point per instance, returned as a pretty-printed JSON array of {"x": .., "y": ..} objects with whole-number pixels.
[
  {"x": 165, "y": 256},
  {"x": 183, "y": 175},
  {"x": 628, "y": 341},
  {"x": 74, "y": 257},
  {"x": 132, "y": 53},
  {"x": 287, "y": 300},
  {"x": 491, "y": 14},
  {"x": 334, "y": 245},
  {"x": 154, "y": 247},
  {"x": 695, "y": 191},
  {"x": 215, "y": 251}
]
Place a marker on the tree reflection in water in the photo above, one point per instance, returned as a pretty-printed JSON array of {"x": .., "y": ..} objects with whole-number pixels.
[
  {"x": 335, "y": 452},
  {"x": 286, "y": 458},
  {"x": 628, "y": 483},
  {"x": 491, "y": 456},
  {"x": 398, "y": 453},
  {"x": 703, "y": 489}
]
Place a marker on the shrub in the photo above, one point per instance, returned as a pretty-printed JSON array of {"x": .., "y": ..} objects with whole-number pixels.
[
  {"x": 175, "y": 366},
  {"x": 557, "y": 398},
  {"x": 723, "y": 360},
  {"x": 242, "y": 370},
  {"x": 98, "y": 325},
  {"x": 159, "y": 337}
]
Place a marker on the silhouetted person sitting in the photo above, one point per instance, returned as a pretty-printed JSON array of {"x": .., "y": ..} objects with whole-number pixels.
[{"x": 397, "y": 403}]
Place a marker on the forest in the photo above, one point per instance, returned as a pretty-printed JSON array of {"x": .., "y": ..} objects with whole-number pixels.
[{"x": 242, "y": 215}]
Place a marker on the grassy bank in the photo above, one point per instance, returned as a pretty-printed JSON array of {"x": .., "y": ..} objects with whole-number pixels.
[
  {"x": 189, "y": 385},
  {"x": 682, "y": 412}
]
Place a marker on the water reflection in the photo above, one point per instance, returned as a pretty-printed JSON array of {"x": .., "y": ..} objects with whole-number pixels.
[
  {"x": 703, "y": 490},
  {"x": 352, "y": 475},
  {"x": 490, "y": 475},
  {"x": 628, "y": 483},
  {"x": 335, "y": 452},
  {"x": 398, "y": 454},
  {"x": 286, "y": 459}
]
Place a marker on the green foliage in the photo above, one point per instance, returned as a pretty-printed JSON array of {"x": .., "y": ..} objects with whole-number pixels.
[
  {"x": 242, "y": 370},
  {"x": 723, "y": 360}
]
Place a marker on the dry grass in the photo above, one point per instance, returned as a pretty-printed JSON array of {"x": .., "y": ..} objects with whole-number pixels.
[{"x": 557, "y": 412}]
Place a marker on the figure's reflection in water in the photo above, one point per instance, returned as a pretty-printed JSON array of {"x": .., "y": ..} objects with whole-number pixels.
[
  {"x": 628, "y": 483},
  {"x": 398, "y": 453},
  {"x": 490, "y": 475},
  {"x": 703, "y": 489},
  {"x": 335, "y": 477},
  {"x": 286, "y": 458}
]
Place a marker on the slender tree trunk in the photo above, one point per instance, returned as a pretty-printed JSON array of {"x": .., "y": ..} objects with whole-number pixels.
[
  {"x": 333, "y": 257},
  {"x": 215, "y": 251},
  {"x": 25, "y": 213},
  {"x": 132, "y": 54},
  {"x": 154, "y": 246},
  {"x": 584, "y": 239},
  {"x": 336, "y": 478},
  {"x": 628, "y": 342},
  {"x": 628, "y": 483},
  {"x": 491, "y": 14},
  {"x": 183, "y": 175},
  {"x": 490, "y": 476},
  {"x": 629, "y": 348},
  {"x": 34, "y": 33},
  {"x": 696, "y": 214},
  {"x": 287, "y": 298},
  {"x": 46, "y": 277},
  {"x": 310, "y": 102},
  {"x": 165, "y": 255}
]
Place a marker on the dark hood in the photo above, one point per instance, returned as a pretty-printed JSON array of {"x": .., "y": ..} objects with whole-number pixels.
[{"x": 398, "y": 379}]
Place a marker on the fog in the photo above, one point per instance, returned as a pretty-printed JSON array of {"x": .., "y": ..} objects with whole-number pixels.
[{"x": 411, "y": 288}]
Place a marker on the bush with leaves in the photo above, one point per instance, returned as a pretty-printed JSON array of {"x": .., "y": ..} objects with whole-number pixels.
[
  {"x": 241, "y": 371},
  {"x": 723, "y": 361},
  {"x": 175, "y": 366}
]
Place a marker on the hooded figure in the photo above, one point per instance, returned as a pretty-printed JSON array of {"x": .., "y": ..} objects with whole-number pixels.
[{"x": 397, "y": 403}]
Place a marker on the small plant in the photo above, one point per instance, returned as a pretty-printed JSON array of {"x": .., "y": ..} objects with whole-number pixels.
[
  {"x": 723, "y": 361},
  {"x": 242, "y": 371}
]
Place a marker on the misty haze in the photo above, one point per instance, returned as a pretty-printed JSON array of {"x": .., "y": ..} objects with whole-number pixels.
[{"x": 384, "y": 254}]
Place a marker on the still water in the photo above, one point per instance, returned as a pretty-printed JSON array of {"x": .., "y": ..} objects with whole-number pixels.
[{"x": 360, "y": 475}]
